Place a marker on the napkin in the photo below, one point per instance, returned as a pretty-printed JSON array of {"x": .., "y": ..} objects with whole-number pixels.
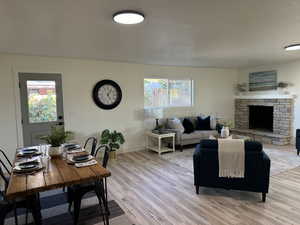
[
  {"x": 88, "y": 163},
  {"x": 72, "y": 151},
  {"x": 25, "y": 160}
]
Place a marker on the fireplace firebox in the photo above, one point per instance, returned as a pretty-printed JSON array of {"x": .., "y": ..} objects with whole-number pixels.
[{"x": 261, "y": 117}]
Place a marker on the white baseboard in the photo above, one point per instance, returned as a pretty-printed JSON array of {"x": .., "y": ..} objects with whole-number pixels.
[{"x": 132, "y": 149}]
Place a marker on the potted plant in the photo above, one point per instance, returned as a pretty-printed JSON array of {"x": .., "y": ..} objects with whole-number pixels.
[
  {"x": 113, "y": 140},
  {"x": 56, "y": 138}
]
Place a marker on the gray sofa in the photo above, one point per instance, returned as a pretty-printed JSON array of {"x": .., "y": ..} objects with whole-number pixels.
[{"x": 192, "y": 138}]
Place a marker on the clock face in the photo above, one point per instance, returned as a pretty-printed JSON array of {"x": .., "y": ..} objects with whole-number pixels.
[{"x": 107, "y": 94}]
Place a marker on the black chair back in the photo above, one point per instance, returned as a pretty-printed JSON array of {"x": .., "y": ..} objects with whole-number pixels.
[
  {"x": 105, "y": 156},
  {"x": 5, "y": 179},
  {"x": 7, "y": 160},
  {"x": 93, "y": 142}
]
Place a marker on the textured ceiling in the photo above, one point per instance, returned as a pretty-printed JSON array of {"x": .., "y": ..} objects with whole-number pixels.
[{"x": 204, "y": 33}]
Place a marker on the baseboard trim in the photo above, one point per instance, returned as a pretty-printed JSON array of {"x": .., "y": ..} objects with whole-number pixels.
[{"x": 132, "y": 149}]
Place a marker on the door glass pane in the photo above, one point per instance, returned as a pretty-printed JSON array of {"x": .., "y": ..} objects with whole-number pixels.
[{"x": 41, "y": 101}]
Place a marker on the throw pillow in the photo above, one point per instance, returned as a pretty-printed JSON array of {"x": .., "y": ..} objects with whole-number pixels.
[
  {"x": 203, "y": 124},
  {"x": 188, "y": 126},
  {"x": 176, "y": 124}
]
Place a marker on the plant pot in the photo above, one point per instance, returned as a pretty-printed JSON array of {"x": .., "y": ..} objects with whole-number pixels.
[
  {"x": 55, "y": 151},
  {"x": 113, "y": 155}
]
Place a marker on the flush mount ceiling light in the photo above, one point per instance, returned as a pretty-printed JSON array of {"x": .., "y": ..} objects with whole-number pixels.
[
  {"x": 293, "y": 47},
  {"x": 128, "y": 17}
]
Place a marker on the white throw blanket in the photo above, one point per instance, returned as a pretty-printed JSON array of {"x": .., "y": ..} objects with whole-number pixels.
[{"x": 231, "y": 158}]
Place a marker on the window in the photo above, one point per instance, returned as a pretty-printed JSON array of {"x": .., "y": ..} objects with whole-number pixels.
[{"x": 167, "y": 93}]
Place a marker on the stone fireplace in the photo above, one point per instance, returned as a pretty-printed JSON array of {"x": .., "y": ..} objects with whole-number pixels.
[{"x": 266, "y": 120}]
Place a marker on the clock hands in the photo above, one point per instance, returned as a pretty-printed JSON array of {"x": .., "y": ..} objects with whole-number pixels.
[{"x": 107, "y": 95}]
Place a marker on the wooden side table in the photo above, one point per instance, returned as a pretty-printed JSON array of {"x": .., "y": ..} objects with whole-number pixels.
[{"x": 159, "y": 147}]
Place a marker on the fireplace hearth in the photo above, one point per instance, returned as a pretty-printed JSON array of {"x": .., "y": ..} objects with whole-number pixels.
[{"x": 261, "y": 117}]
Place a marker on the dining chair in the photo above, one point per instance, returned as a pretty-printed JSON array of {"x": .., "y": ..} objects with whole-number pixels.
[
  {"x": 8, "y": 162},
  {"x": 76, "y": 192},
  {"x": 90, "y": 141},
  {"x": 94, "y": 142},
  {"x": 30, "y": 202}
]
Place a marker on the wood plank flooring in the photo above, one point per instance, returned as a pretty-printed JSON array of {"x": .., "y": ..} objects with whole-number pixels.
[{"x": 154, "y": 191}]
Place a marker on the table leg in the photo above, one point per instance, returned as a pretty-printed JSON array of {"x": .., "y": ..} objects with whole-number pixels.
[
  {"x": 34, "y": 203},
  {"x": 16, "y": 214},
  {"x": 147, "y": 142},
  {"x": 173, "y": 144},
  {"x": 159, "y": 146},
  {"x": 106, "y": 201}
]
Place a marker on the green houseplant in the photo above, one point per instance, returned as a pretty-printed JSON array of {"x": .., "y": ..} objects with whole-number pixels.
[
  {"x": 113, "y": 140},
  {"x": 56, "y": 138}
]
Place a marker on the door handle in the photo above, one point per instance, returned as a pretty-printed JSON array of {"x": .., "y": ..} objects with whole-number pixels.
[
  {"x": 61, "y": 123},
  {"x": 60, "y": 117}
]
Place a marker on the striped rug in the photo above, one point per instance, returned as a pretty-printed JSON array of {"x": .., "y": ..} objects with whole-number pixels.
[{"x": 55, "y": 211}]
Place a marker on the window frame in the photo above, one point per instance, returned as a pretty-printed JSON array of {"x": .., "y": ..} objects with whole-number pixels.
[{"x": 168, "y": 91}]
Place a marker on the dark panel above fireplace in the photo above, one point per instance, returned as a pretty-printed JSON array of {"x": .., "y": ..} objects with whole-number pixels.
[{"x": 261, "y": 117}]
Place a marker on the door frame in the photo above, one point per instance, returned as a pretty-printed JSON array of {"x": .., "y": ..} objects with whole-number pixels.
[{"x": 17, "y": 102}]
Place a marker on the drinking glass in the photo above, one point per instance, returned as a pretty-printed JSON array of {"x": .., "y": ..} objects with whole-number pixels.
[
  {"x": 45, "y": 163},
  {"x": 45, "y": 158},
  {"x": 43, "y": 149}
]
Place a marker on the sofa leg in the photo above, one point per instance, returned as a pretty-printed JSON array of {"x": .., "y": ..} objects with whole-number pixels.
[
  {"x": 264, "y": 195},
  {"x": 197, "y": 189},
  {"x": 298, "y": 151}
]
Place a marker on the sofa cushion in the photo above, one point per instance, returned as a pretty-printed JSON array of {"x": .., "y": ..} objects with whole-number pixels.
[
  {"x": 203, "y": 123},
  {"x": 252, "y": 146},
  {"x": 188, "y": 126}
]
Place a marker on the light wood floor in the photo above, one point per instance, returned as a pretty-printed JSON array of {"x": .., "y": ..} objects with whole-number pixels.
[{"x": 154, "y": 191}]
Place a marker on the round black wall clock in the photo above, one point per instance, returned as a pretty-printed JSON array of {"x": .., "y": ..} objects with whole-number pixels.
[{"x": 107, "y": 94}]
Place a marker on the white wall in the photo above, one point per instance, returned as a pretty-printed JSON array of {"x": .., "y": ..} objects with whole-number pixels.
[
  {"x": 287, "y": 72},
  {"x": 213, "y": 93}
]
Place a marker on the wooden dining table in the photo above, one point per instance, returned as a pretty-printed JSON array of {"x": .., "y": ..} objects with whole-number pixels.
[{"x": 60, "y": 174}]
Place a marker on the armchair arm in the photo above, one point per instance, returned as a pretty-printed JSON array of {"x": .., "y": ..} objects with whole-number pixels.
[
  {"x": 266, "y": 172},
  {"x": 178, "y": 134}
]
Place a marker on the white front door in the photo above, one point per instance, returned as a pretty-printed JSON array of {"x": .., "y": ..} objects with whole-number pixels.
[{"x": 41, "y": 105}]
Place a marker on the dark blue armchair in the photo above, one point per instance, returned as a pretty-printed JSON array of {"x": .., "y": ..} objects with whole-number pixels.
[{"x": 257, "y": 168}]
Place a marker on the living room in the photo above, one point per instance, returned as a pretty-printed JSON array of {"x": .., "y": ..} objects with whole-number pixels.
[{"x": 82, "y": 44}]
